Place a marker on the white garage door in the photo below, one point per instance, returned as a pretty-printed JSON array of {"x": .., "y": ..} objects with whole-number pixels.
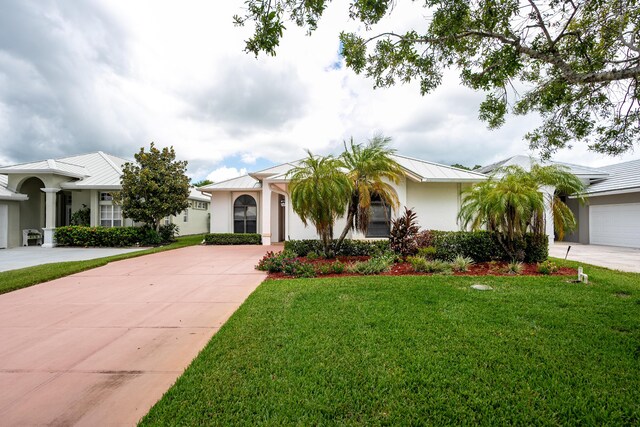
[
  {"x": 4, "y": 225},
  {"x": 615, "y": 225}
]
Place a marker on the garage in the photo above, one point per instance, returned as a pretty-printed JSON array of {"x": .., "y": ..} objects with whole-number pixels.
[{"x": 615, "y": 225}]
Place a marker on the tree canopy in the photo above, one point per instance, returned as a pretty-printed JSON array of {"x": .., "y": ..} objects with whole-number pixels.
[
  {"x": 576, "y": 63},
  {"x": 153, "y": 187}
]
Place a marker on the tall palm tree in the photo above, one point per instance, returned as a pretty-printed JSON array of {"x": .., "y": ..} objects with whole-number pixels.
[
  {"x": 564, "y": 183},
  {"x": 512, "y": 205},
  {"x": 371, "y": 170},
  {"x": 320, "y": 192}
]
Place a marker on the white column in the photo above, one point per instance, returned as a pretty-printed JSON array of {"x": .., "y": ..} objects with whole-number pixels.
[
  {"x": 265, "y": 214},
  {"x": 48, "y": 240},
  {"x": 547, "y": 193}
]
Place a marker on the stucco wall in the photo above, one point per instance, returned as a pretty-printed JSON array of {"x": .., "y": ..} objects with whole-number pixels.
[
  {"x": 436, "y": 204},
  {"x": 197, "y": 221}
]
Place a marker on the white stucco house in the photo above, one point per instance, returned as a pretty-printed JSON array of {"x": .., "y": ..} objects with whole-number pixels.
[
  {"x": 611, "y": 213},
  {"x": 259, "y": 202},
  {"x": 42, "y": 195}
]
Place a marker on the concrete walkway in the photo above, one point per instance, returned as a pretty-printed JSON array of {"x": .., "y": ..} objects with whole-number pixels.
[
  {"x": 28, "y": 256},
  {"x": 102, "y": 346},
  {"x": 616, "y": 258}
]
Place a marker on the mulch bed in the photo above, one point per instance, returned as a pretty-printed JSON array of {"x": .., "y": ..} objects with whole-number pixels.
[{"x": 404, "y": 269}]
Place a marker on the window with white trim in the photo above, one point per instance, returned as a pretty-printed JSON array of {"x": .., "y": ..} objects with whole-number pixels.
[
  {"x": 110, "y": 213},
  {"x": 185, "y": 215}
]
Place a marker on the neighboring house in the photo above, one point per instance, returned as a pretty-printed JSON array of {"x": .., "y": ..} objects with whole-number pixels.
[
  {"x": 611, "y": 213},
  {"x": 43, "y": 195},
  {"x": 259, "y": 202}
]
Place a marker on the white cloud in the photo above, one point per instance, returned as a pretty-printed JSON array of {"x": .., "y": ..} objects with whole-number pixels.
[
  {"x": 224, "y": 173},
  {"x": 115, "y": 76}
]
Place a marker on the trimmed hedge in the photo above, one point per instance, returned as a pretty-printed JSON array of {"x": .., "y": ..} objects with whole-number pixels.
[
  {"x": 482, "y": 246},
  {"x": 348, "y": 247},
  {"x": 77, "y": 235},
  {"x": 233, "y": 239}
]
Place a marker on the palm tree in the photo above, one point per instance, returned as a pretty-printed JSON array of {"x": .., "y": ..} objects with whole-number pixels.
[
  {"x": 371, "y": 170},
  {"x": 512, "y": 205},
  {"x": 320, "y": 192},
  {"x": 564, "y": 183}
]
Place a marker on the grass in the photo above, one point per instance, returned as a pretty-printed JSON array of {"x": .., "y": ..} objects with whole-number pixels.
[
  {"x": 24, "y": 277},
  {"x": 422, "y": 351}
]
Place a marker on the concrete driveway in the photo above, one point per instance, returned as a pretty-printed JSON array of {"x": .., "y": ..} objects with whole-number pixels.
[
  {"x": 28, "y": 256},
  {"x": 102, "y": 346},
  {"x": 616, "y": 258}
]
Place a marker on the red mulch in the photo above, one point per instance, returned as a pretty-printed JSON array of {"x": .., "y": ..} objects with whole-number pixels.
[{"x": 404, "y": 269}]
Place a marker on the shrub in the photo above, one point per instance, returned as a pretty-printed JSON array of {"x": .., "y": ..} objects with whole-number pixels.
[
  {"x": 296, "y": 268},
  {"x": 149, "y": 236},
  {"x": 324, "y": 268},
  {"x": 338, "y": 267},
  {"x": 424, "y": 238},
  {"x": 427, "y": 253},
  {"x": 402, "y": 237},
  {"x": 82, "y": 216},
  {"x": 168, "y": 232},
  {"x": 514, "y": 267},
  {"x": 274, "y": 262},
  {"x": 374, "y": 265},
  {"x": 461, "y": 263},
  {"x": 482, "y": 246},
  {"x": 536, "y": 247},
  {"x": 233, "y": 239},
  {"x": 547, "y": 267},
  {"x": 348, "y": 248},
  {"x": 75, "y": 235},
  {"x": 312, "y": 256},
  {"x": 422, "y": 265}
]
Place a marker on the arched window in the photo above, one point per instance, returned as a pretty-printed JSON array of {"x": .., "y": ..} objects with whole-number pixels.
[{"x": 245, "y": 215}]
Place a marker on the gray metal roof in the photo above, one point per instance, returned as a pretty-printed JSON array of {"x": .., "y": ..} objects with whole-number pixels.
[
  {"x": 6, "y": 194},
  {"x": 244, "y": 182},
  {"x": 623, "y": 177},
  {"x": 421, "y": 170},
  {"x": 104, "y": 171},
  {"x": 434, "y": 172},
  {"x": 194, "y": 194},
  {"x": 526, "y": 162},
  {"x": 58, "y": 167}
]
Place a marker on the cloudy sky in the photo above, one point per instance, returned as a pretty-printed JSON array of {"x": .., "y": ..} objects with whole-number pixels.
[{"x": 81, "y": 76}]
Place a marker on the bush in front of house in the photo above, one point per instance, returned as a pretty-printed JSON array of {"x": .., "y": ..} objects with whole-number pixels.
[
  {"x": 349, "y": 247},
  {"x": 232, "y": 239},
  {"x": 483, "y": 246},
  {"x": 77, "y": 235}
]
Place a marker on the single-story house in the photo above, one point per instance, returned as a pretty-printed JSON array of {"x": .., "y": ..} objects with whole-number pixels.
[
  {"x": 611, "y": 213},
  {"x": 259, "y": 202},
  {"x": 43, "y": 195}
]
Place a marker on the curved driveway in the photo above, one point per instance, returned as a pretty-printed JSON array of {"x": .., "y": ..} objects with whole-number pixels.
[{"x": 102, "y": 346}]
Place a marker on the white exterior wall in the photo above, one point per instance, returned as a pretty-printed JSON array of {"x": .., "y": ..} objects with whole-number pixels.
[
  {"x": 221, "y": 211},
  {"x": 436, "y": 203}
]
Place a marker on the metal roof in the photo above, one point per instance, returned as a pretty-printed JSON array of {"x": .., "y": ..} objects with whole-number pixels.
[
  {"x": 623, "y": 177},
  {"x": 526, "y": 162},
  {"x": 194, "y": 194},
  {"x": 275, "y": 170},
  {"x": 53, "y": 166},
  {"x": 244, "y": 182},
  {"x": 426, "y": 171},
  {"x": 6, "y": 194},
  {"x": 420, "y": 170},
  {"x": 104, "y": 171}
]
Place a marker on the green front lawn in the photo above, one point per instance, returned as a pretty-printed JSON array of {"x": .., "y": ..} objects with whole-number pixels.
[
  {"x": 420, "y": 350},
  {"x": 24, "y": 277}
]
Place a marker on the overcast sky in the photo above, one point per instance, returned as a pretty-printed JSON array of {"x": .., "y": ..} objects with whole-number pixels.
[{"x": 81, "y": 76}]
